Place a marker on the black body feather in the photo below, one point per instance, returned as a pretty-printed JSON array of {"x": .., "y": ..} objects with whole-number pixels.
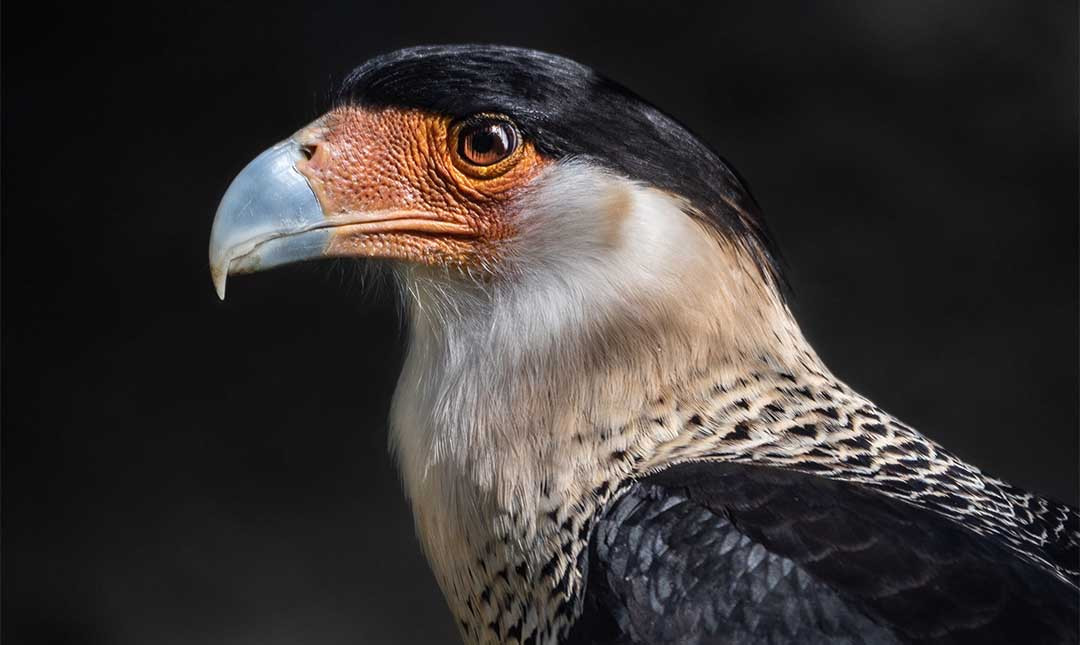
[{"x": 719, "y": 553}]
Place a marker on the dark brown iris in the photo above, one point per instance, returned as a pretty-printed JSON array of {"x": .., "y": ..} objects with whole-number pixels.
[{"x": 487, "y": 142}]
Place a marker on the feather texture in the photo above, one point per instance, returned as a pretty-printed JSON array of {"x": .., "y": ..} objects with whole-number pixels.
[{"x": 718, "y": 553}]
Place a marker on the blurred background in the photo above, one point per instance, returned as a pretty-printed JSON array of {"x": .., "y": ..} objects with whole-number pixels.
[{"x": 182, "y": 470}]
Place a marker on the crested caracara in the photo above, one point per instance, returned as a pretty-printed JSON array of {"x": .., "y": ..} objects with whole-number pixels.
[{"x": 609, "y": 425}]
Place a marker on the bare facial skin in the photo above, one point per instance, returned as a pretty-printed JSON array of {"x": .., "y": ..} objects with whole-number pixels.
[{"x": 403, "y": 168}]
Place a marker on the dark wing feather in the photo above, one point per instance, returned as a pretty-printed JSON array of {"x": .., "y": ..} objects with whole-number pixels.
[{"x": 711, "y": 553}]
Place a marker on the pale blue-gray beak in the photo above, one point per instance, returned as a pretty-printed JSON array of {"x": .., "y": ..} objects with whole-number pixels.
[{"x": 269, "y": 216}]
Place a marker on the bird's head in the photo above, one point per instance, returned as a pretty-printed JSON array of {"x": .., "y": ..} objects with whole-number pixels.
[{"x": 486, "y": 173}]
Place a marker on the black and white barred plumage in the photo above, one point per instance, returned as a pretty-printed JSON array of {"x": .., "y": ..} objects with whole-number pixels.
[{"x": 834, "y": 538}]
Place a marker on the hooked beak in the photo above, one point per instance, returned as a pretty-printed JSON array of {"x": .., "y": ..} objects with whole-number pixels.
[
  {"x": 272, "y": 215},
  {"x": 269, "y": 216}
]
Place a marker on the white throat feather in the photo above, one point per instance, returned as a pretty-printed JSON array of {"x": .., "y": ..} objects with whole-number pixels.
[{"x": 610, "y": 295}]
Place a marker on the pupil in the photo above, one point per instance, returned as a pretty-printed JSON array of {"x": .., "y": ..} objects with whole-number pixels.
[{"x": 485, "y": 141}]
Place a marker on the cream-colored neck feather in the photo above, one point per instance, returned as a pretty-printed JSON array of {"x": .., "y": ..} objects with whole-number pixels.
[
  {"x": 617, "y": 336},
  {"x": 611, "y": 296}
]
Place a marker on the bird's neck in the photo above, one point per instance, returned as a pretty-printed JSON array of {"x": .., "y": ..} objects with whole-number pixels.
[
  {"x": 521, "y": 412},
  {"x": 512, "y": 431},
  {"x": 506, "y": 537}
]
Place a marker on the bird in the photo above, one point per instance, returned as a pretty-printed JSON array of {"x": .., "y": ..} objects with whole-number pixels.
[{"x": 608, "y": 423}]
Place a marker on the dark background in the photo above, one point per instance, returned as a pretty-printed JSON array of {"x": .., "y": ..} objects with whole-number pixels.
[{"x": 180, "y": 470}]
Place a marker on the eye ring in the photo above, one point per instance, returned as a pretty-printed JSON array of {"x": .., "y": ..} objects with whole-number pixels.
[{"x": 485, "y": 145}]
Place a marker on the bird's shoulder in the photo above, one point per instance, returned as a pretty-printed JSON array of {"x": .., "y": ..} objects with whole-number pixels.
[{"x": 718, "y": 552}]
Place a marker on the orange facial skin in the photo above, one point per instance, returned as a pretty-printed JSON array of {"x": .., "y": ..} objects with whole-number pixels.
[{"x": 401, "y": 191}]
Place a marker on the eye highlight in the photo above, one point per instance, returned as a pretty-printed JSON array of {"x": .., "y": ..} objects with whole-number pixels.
[{"x": 486, "y": 144}]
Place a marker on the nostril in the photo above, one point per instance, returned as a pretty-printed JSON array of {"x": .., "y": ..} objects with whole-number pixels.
[{"x": 308, "y": 150}]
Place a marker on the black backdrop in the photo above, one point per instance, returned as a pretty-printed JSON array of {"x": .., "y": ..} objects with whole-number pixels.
[{"x": 180, "y": 470}]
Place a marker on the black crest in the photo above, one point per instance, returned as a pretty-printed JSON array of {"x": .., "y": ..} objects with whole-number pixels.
[{"x": 568, "y": 110}]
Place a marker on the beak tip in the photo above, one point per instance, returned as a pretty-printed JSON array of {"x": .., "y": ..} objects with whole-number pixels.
[{"x": 219, "y": 277}]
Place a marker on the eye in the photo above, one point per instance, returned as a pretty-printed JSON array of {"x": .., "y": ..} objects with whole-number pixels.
[{"x": 487, "y": 141}]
